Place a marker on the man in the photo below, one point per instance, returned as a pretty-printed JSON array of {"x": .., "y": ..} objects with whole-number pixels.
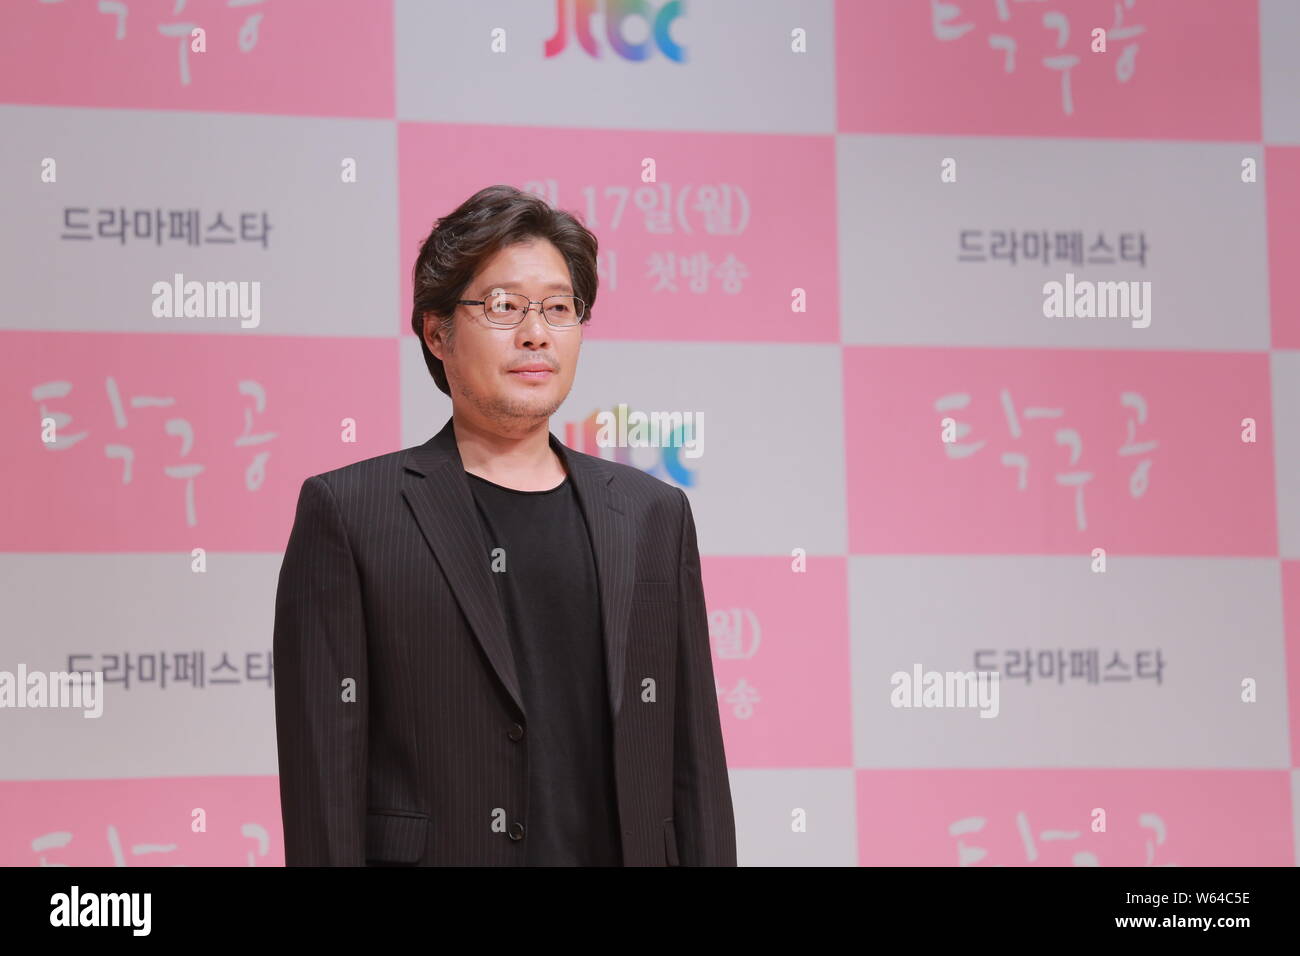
[{"x": 491, "y": 649}]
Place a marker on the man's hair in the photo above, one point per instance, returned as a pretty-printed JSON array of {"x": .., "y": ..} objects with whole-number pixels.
[{"x": 459, "y": 244}]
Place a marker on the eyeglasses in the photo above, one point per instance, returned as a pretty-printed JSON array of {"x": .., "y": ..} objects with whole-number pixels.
[{"x": 507, "y": 309}]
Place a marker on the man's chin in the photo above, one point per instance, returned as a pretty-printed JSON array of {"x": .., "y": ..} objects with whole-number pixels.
[{"x": 537, "y": 410}]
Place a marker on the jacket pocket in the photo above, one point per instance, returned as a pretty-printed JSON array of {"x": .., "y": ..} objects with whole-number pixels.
[
  {"x": 395, "y": 837},
  {"x": 670, "y": 843}
]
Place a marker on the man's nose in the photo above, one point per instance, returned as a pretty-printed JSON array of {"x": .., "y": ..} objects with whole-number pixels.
[{"x": 534, "y": 324}]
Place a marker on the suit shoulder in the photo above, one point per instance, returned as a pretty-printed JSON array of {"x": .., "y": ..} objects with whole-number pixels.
[
  {"x": 634, "y": 482},
  {"x": 378, "y": 470}
]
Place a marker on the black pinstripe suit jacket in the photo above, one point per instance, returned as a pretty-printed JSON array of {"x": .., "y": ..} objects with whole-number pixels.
[{"x": 401, "y": 735}]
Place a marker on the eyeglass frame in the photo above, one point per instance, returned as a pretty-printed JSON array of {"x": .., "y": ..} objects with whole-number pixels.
[{"x": 531, "y": 303}]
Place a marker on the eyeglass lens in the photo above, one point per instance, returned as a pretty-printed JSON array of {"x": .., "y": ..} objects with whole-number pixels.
[{"x": 507, "y": 307}]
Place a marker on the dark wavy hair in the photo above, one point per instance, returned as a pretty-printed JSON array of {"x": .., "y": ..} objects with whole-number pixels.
[{"x": 494, "y": 217}]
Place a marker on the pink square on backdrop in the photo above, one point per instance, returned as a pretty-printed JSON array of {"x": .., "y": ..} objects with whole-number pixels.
[
  {"x": 1291, "y": 627},
  {"x": 1076, "y": 428},
  {"x": 1045, "y": 818},
  {"x": 1173, "y": 69},
  {"x": 227, "y": 392},
  {"x": 146, "y": 821},
  {"x": 781, "y": 660},
  {"x": 713, "y": 251},
  {"x": 295, "y": 57}
]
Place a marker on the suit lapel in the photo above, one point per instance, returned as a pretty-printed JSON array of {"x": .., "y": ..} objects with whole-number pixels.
[
  {"x": 435, "y": 487},
  {"x": 609, "y": 524},
  {"x": 438, "y": 493}
]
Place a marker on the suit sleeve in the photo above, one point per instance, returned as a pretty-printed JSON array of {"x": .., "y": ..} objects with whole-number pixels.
[
  {"x": 702, "y": 813},
  {"x": 319, "y": 643}
]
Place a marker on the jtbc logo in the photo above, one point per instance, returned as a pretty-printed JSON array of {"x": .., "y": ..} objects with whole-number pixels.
[{"x": 616, "y": 11}]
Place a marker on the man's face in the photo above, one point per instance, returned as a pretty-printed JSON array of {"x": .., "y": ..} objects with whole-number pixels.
[{"x": 479, "y": 358}]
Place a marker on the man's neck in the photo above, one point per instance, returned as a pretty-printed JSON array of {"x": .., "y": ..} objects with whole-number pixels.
[{"x": 524, "y": 462}]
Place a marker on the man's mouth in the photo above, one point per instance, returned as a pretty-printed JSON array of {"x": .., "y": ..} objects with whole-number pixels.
[{"x": 533, "y": 373}]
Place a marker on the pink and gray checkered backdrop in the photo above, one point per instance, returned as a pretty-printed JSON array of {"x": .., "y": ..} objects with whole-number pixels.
[{"x": 854, "y": 209}]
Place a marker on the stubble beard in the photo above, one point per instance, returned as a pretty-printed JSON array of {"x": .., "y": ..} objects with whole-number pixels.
[{"x": 511, "y": 414}]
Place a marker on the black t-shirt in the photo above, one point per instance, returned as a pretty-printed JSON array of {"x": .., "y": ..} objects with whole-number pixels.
[{"x": 551, "y": 605}]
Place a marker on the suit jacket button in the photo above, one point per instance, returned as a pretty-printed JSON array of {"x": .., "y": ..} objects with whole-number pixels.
[
  {"x": 515, "y": 732},
  {"x": 516, "y": 831}
]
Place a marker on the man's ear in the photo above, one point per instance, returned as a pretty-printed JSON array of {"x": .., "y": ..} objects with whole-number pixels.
[{"x": 431, "y": 337}]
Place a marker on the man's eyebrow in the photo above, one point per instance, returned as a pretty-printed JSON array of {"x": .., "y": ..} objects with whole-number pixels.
[{"x": 511, "y": 284}]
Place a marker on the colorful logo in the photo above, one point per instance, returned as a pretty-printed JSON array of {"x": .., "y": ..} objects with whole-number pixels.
[{"x": 614, "y": 12}]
